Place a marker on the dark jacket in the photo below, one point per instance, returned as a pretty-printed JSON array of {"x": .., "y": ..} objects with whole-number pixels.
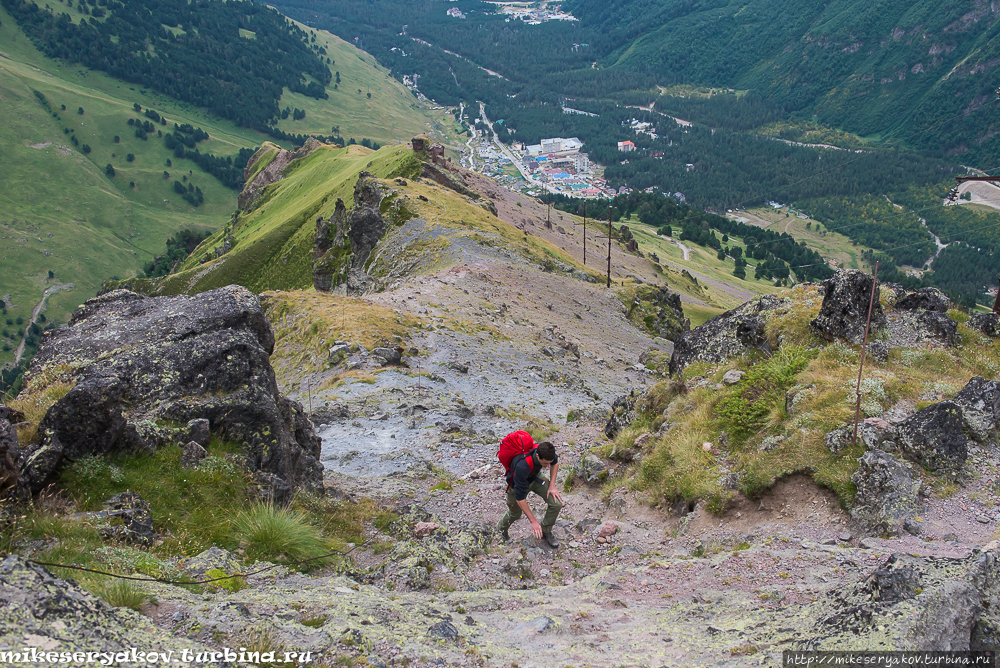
[{"x": 521, "y": 475}]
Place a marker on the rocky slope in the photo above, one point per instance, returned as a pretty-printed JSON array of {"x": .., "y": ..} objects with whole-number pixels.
[{"x": 722, "y": 515}]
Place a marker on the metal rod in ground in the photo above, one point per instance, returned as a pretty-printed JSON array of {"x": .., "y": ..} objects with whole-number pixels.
[
  {"x": 864, "y": 346},
  {"x": 609, "y": 244},
  {"x": 585, "y": 235},
  {"x": 996, "y": 302}
]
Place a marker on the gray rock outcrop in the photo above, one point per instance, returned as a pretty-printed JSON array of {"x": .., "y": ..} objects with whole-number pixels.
[
  {"x": 64, "y": 616},
  {"x": 987, "y": 323},
  {"x": 888, "y": 492},
  {"x": 658, "y": 310},
  {"x": 139, "y": 361},
  {"x": 924, "y": 299},
  {"x": 343, "y": 244},
  {"x": 727, "y": 335},
  {"x": 844, "y": 311},
  {"x": 980, "y": 404},
  {"x": 917, "y": 328},
  {"x": 13, "y": 484},
  {"x": 273, "y": 172},
  {"x": 935, "y": 437},
  {"x": 623, "y": 412}
]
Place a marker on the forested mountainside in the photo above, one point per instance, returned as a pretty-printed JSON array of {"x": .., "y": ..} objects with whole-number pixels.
[
  {"x": 920, "y": 72},
  {"x": 232, "y": 58}
]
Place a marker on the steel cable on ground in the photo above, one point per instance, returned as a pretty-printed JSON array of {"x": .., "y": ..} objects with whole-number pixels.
[{"x": 198, "y": 582}]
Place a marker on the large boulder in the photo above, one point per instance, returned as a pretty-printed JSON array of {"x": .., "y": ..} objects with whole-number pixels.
[
  {"x": 727, "y": 335},
  {"x": 13, "y": 484},
  {"x": 987, "y": 323},
  {"x": 918, "y": 328},
  {"x": 935, "y": 437},
  {"x": 845, "y": 307},
  {"x": 139, "y": 362},
  {"x": 980, "y": 404},
  {"x": 888, "y": 492},
  {"x": 924, "y": 299}
]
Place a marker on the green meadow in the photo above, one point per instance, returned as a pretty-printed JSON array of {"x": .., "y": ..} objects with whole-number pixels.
[{"x": 61, "y": 211}]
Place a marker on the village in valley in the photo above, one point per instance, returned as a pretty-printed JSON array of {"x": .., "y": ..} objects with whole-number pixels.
[{"x": 555, "y": 165}]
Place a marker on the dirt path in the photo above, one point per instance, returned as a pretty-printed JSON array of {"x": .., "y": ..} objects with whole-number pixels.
[{"x": 39, "y": 307}]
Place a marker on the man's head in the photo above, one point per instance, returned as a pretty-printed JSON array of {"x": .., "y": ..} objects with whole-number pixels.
[{"x": 546, "y": 453}]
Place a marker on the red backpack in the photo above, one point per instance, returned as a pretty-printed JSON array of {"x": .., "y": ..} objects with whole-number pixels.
[{"x": 514, "y": 445}]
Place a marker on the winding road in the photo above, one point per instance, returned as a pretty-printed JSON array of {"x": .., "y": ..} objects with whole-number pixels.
[{"x": 39, "y": 307}]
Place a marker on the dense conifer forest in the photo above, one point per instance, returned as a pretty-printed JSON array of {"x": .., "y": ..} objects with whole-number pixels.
[{"x": 232, "y": 58}]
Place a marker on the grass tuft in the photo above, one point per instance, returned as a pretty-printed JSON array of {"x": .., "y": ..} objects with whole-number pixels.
[{"x": 273, "y": 533}]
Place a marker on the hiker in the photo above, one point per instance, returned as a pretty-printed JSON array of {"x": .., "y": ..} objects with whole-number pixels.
[{"x": 524, "y": 461}]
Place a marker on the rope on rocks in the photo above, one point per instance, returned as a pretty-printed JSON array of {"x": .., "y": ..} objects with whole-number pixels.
[{"x": 198, "y": 582}]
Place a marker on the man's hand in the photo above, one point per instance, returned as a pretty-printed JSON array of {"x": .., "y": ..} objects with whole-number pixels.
[
  {"x": 555, "y": 492},
  {"x": 536, "y": 529}
]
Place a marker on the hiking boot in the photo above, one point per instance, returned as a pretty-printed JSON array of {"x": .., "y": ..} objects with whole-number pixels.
[
  {"x": 551, "y": 540},
  {"x": 504, "y": 536}
]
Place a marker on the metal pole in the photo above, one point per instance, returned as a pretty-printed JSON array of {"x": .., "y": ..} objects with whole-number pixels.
[
  {"x": 996, "y": 302},
  {"x": 585, "y": 234},
  {"x": 548, "y": 220},
  {"x": 864, "y": 345},
  {"x": 609, "y": 244}
]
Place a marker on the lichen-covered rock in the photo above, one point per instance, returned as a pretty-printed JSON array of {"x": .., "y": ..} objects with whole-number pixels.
[
  {"x": 935, "y": 437},
  {"x": 138, "y": 361},
  {"x": 192, "y": 454},
  {"x": 42, "y": 611},
  {"x": 893, "y": 582},
  {"x": 987, "y": 323},
  {"x": 591, "y": 467},
  {"x": 980, "y": 404},
  {"x": 926, "y": 299},
  {"x": 13, "y": 484},
  {"x": 214, "y": 558},
  {"x": 622, "y": 412},
  {"x": 727, "y": 335},
  {"x": 199, "y": 431},
  {"x": 911, "y": 329},
  {"x": 888, "y": 492},
  {"x": 136, "y": 519},
  {"x": 390, "y": 355},
  {"x": 847, "y": 295},
  {"x": 873, "y": 434}
]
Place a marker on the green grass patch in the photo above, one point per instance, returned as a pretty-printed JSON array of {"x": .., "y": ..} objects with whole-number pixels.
[{"x": 761, "y": 392}]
